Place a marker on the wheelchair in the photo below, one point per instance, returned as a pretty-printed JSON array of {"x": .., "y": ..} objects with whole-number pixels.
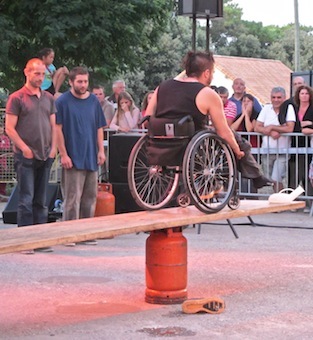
[{"x": 172, "y": 161}]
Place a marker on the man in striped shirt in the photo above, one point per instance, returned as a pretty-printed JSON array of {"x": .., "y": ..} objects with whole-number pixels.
[{"x": 230, "y": 108}]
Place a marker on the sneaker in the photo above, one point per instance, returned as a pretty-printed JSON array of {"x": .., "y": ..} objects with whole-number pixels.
[
  {"x": 261, "y": 182},
  {"x": 88, "y": 242},
  {"x": 210, "y": 305},
  {"x": 27, "y": 252},
  {"x": 213, "y": 193},
  {"x": 70, "y": 244},
  {"x": 44, "y": 250}
]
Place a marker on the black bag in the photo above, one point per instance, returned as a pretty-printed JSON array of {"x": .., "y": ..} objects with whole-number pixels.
[
  {"x": 168, "y": 139},
  {"x": 171, "y": 127}
]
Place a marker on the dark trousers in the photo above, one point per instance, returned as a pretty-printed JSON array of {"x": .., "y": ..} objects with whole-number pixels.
[
  {"x": 247, "y": 165},
  {"x": 298, "y": 174},
  {"x": 32, "y": 186}
]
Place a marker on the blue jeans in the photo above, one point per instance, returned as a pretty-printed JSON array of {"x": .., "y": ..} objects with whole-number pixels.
[{"x": 32, "y": 186}]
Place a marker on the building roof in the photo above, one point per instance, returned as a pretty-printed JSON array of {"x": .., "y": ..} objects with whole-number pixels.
[{"x": 260, "y": 75}]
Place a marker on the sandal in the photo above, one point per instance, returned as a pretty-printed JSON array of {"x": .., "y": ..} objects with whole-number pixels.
[{"x": 209, "y": 305}]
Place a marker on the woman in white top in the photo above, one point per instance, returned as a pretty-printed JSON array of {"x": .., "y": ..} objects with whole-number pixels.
[{"x": 127, "y": 115}]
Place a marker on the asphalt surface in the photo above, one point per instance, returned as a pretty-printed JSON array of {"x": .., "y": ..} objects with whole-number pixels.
[{"x": 97, "y": 292}]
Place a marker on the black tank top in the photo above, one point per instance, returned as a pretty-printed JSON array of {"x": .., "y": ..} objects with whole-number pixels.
[{"x": 177, "y": 99}]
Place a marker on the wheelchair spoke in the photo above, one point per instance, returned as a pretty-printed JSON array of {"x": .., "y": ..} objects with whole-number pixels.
[
  {"x": 209, "y": 172},
  {"x": 152, "y": 186}
]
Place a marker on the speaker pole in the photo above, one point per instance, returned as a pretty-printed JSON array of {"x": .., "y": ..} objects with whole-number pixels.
[
  {"x": 194, "y": 26},
  {"x": 207, "y": 29}
]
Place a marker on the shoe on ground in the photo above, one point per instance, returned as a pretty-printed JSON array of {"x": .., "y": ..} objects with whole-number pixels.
[
  {"x": 88, "y": 242},
  {"x": 28, "y": 252},
  {"x": 44, "y": 250},
  {"x": 213, "y": 305},
  {"x": 261, "y": 182},
  {"x": 70, "y": 244}
]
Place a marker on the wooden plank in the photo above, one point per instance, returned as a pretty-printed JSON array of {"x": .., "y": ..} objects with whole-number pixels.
[{"x": 44, "y": 235}]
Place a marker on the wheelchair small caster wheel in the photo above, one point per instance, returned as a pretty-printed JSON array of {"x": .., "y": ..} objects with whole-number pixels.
[
  {"x": 234, "y": 202},
  {"x": 183, "y": 200}
]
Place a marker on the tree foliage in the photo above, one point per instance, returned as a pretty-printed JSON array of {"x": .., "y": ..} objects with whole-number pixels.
[
  {"x": 141, "y": 41},
  {"x": 103, "y": 34},
  {"x": 163, "y": 60},
  {"x": 234, "y": 36}
]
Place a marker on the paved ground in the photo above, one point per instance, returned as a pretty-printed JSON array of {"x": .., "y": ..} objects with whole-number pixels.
[{"x": 97, "y": 292}]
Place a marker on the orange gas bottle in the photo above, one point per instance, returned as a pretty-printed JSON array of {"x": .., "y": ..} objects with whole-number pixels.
[
  {"x": 105, "y": 200},
  {"x": 166, "y": 267}
]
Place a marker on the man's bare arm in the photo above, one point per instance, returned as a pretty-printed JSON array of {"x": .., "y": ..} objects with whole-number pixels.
[{"x": 209, "y": 103}]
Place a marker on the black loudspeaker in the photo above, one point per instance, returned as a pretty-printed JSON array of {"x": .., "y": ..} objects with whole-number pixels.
[
  {"x": 201, "y": 8},
  {"x": 9, "y": 214},
  {"x": 120, "y": 146},
  {"x": 124, "y": 201}
]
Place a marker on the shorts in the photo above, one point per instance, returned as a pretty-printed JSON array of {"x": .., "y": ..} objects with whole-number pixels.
[
  {"x": 275, "y": 166},
  {"x": 51, "y": 89}
]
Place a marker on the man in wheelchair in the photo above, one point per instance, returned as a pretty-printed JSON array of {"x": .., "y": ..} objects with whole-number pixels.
[{"x": 192, "y": 96}]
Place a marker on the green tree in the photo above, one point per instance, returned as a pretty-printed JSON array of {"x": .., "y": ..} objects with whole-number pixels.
[
  {"x": 227, "y": 29},
  {"x": 283, "y": 49},
  {"x": 163, "y": 58},
  {"x": 103, "y": 34},
  {"x": 140, "y": 41},
  {"x": 234, "y": 36},
  {"x": 246, "y": 45}
]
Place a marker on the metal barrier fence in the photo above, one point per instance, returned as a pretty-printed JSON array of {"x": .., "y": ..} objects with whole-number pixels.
[
  {"x": 298, "y": 156},
  {"x": 297, "y": 159}
]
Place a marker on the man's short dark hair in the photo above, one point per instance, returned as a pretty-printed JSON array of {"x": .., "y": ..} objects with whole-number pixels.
[
  {"x": 45, "y": 52},
  {"x": 222, "y": 90},
  {"x": 76, "y": 71},
  {"x": 195, "y": 63},
  {"x": 98, "y": 87}
]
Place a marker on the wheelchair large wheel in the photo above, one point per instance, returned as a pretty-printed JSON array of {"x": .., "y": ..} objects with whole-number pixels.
[
  {"x": 209, "y": 172},
  {"x": 152, "y": 186}
]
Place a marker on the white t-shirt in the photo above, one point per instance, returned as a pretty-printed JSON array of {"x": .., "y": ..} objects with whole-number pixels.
[{"x": 268, "y": 116}]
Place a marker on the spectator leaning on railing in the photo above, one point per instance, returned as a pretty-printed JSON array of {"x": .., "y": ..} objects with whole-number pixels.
[
  {"x": 268, "y": 124},
  {"x": 304, "y": 103},
  {"x": 230, "y": 108}
]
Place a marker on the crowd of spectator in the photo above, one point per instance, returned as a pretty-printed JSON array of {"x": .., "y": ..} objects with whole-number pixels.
[
  {"x": 78, "y": 112},
  {"x": 281, "y": 116}
]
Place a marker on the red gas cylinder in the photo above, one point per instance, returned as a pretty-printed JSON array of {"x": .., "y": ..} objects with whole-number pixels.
[
  {"x": 105, "y": 200},
  {"x": 166, "y": 267}
]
